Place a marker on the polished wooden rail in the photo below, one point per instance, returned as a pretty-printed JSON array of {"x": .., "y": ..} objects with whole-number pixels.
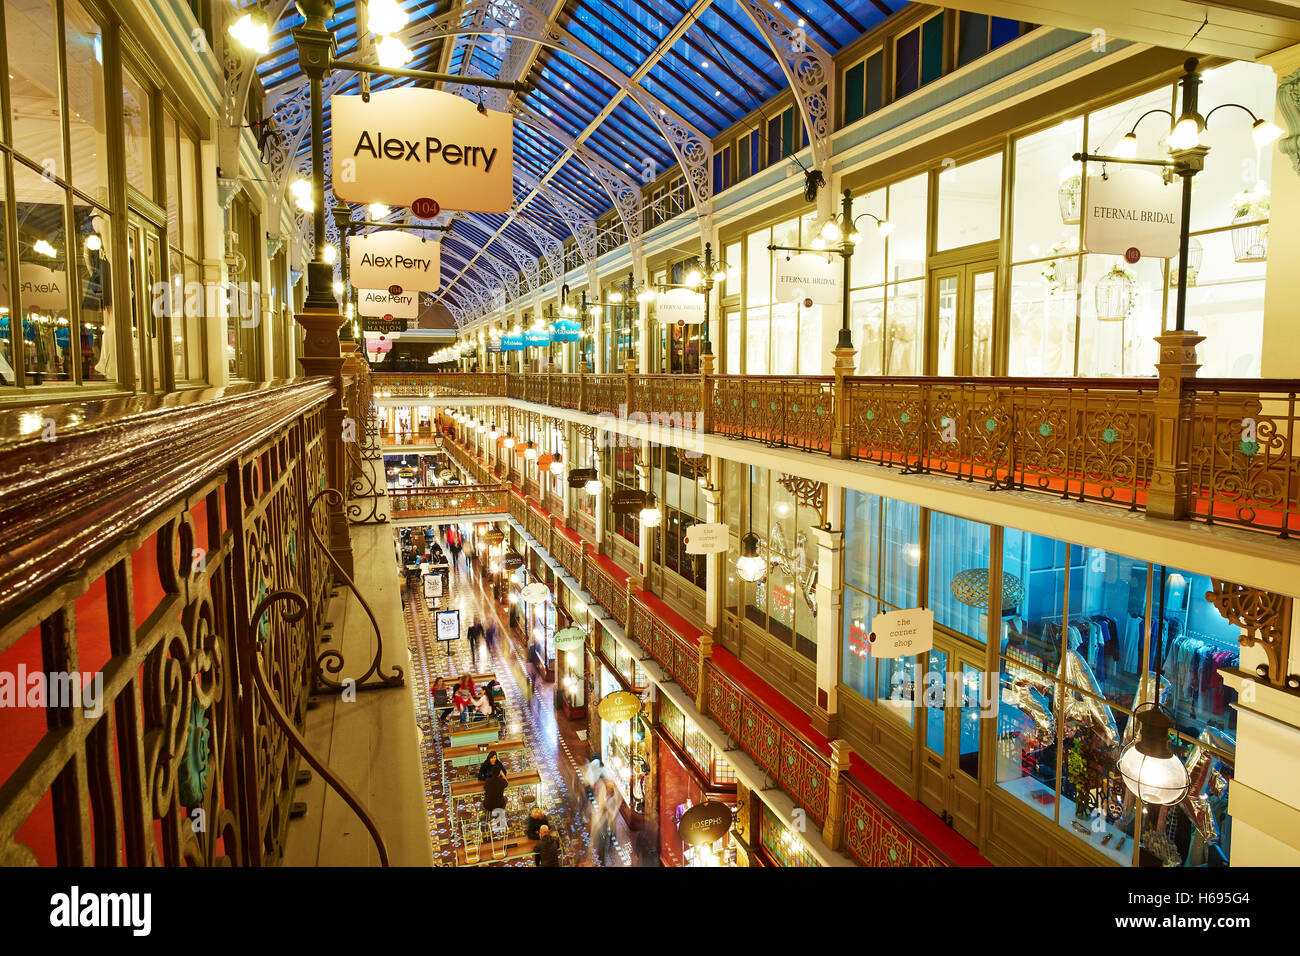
[{"x": 1215, "y": 450}]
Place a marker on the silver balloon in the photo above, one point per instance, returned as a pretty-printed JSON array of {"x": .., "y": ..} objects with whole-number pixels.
[
  {"x": 1083, "y": 709},
  {"x": 1031, "y": 693},
  {"x": 1206, "y": 781}
]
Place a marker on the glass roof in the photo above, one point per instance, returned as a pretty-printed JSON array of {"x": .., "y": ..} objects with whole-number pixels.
[{"x": 717, "y": 70}]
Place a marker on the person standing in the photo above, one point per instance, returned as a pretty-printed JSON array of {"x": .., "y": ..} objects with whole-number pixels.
[
  {"x": 474, "y": 633},
  {"x": 490, "y": 637},
  {"x": 494, "y": 801},
  {"x": 548, "y": 848}
]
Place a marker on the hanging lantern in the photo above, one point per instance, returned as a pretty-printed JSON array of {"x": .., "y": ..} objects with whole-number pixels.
[
  {"x": 1148, "y": 764},
  {"x": 1069, "y": 195},
  {"x": 751, "y": 565},
  {"x": 1114, "y": 294}
]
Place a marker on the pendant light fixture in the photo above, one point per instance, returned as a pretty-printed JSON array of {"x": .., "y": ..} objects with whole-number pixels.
[
  {"x": 1149, "y": 766},
  {"x": 751, "y": 565},
  {"x": 557, "y": 464},
  {"x": 530, "y": 451},
  {"x": 650, "y": 513}
]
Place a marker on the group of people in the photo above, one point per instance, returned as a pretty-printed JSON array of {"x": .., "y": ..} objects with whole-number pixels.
[
  {"x": 546, "y": 851},
  {"x": 465, "y": 699}
]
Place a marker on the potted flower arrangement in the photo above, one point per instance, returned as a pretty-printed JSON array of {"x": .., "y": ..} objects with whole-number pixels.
[{"x": 1250, "y": 239}]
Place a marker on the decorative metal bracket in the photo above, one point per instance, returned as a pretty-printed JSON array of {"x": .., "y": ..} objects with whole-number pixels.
[{"x": 1265, "y": 620}]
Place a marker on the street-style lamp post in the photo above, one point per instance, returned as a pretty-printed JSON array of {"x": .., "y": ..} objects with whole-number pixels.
[{"x": 315, "y": 42}]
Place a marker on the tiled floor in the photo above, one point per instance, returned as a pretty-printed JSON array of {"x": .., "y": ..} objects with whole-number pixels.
[{"x": 554, "y": 747}]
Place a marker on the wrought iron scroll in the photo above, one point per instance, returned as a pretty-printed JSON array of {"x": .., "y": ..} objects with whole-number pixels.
[
  {"x": 286, "y": 725},
  {"x": 1265, "y": 620},
  {"x": 330, "y": 662}
]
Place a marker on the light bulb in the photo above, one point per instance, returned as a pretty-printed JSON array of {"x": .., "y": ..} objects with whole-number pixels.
[
  {"x": 751, "y": 565},
  {"x": 616, "y": 297},
  {"x": 720, "y": 275},
  {"x": 338, "y": 288},
  {"x": 1128, "y": 147},
  {"x": 302, "y": 195},
  {"x": 651, "y": 515},
  {"x": 330, "y": 254},
  {"x": 693, "y": 278},
  {"x": 1186, "y": 134},
  {"x": 818, "y": 243},
  {"x": 252, "y": 33},
  {"x": 530, "y": 452},
  {"x": 855, "y": 237},
  {"x": 44, "y": 248},
  {"x": 385, "y": 16},
  {"x": 509, "y": 441},
  {"x": 831, "y": 231},
  {"x": 1265, "y": 133},
  {"x": 594, "y": 311},
  {"x": 377, "y": 210},
  {"x": 392, "y": 52},
  {"x": 885, "y": 228}
]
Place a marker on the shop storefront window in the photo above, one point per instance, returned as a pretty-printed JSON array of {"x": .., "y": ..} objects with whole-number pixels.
[
  {"x": 783, "y": 602},
  {"x": 1078, "y": 658},
  {"x": 887, "y": 277},
  {"x": 957, "y": 545},
  {"x": 683, "y": 506},
  {"x": 1072, "y": 313},
  {"x": 680, "y": 789},
  {"x": 882, "y": 558},
  {"x": 781, "y": 338},
  {"x": 970, "y": 203}
]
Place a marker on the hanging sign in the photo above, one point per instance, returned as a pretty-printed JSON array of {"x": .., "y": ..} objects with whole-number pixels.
[
  {"x": 902, "y": 633},
  {"x": 578, "y": 477},
  {"x": 448, "y": 625},
  {"x": 512, "y": 342},
  {"x": 410, "y": 144},
  {"x": 628, "y": 501},
  {"x": 379, "y": 260},
  {"x": 1132, "y": 213},
  {"x": 512, "y": 560},
  {"x": 379, "y": 303},
  {"x": 535, "y": 593},
  {"x": 565, "y": 330},
  {"x": 807, "y": 277},
  {"x": 680, "y": 305},
  {"x": 492, "y": 537},
  {"x": 706, "y": 539},
  {"x": 383, "y": 325},
  {"x": 704, "y": 823},
  {"x": 537, "y": 337},
  {"x": 569, "y": 639},
  {"x": 619, "y": 706}
]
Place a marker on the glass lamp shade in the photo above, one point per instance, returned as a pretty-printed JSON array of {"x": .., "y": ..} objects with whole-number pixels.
[
  {"x": 509, "y": 441},
  {"x": 593, "y": 487},
  {"x": 1186, "y": 133},
  {"x": 530, "y": 452},
  {"x": 751, "y": 565},
  {"x": 651, "y": 515},
  {"x": 1149, "y": 767},
  {"x": 557, "y": 465}
]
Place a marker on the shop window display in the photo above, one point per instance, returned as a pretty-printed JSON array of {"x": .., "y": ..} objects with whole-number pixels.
[
  {"x": 957, "y": 546},
  {"x": 1078, "y": 658},
  {"x": 784, "y": 603},
  {"x": 782, "y": 845}
]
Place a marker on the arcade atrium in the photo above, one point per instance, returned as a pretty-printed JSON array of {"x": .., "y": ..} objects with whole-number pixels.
[{"x": 663, "y": 433}]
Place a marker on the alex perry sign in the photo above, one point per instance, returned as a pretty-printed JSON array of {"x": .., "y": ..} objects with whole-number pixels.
[{"x": 410, "y": 143}]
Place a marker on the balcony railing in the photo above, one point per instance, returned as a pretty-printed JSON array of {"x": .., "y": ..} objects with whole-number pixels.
[
  {"x": 448, "y": 500},
  {"x": 167, "y": 568},
  {"x": 1219, "y": 451}
]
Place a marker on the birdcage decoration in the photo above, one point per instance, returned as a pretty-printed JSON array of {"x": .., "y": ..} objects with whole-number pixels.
[
  {"x": 1061, "y": 274},
  {"x": 1195, "y": 256},
  {"x": 1114, "y": 295},
  {"x": 971, "y": 587},
  {"x": 1250, "y": 237},
  {"x": 1070, "y": 197}
]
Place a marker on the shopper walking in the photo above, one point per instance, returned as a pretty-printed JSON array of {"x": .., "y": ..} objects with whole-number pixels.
[{"x": 474, "y": 633}]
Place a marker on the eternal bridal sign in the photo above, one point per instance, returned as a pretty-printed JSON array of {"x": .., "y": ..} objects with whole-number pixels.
[
  {"x": 680, "y": 305},
  {"x": 408, "y": 144},
  {"x": 378, "y": 303},
  {"x": 390, "y": 258},
  {"x": 1132, "y": 209},
  {"x": 807, "y": 276}
]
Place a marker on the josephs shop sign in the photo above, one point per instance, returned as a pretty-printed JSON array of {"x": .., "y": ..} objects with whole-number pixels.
[{"x": 408, "y": 144}]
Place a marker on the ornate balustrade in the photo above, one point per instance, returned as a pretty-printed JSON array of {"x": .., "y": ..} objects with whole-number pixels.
[
  {"x": 1241, "y": 455},
  {"x": 1081, "y": 438},
  {"x": 175, "y": 552},
  {"x": 1229, "y": 453},
  {"x": 448, "y": 500},
  {"x": 434, "y": 384}
]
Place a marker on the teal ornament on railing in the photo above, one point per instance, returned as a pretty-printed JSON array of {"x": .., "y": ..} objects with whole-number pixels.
[
  {"x": 1109, "y": 436},
  {"x": 1249, "y": 448},
  {"x": 194, "y": 768},
  {"x": 1045, "y": 430}
]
